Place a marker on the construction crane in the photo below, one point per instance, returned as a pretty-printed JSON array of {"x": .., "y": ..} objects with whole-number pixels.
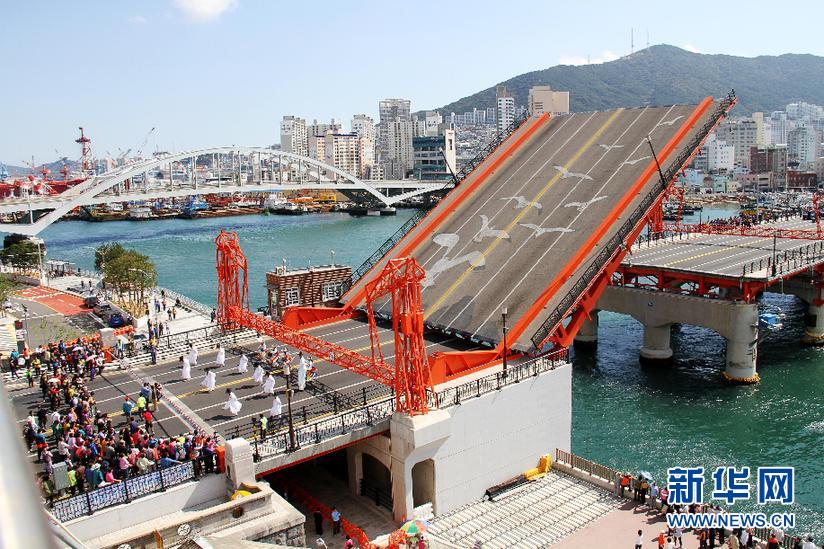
[
  {"x": 85, "y": 152},
  {"x": 142, "y": 146}
]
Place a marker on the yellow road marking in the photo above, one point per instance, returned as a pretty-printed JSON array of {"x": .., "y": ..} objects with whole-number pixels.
[
  {"x": 458, "y": 281},
  {"x": 704, "y": 254}
]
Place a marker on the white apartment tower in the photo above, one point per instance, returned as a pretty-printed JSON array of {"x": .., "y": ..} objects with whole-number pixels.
[
  {"x": 293, "y": 136},
  {"x": 505, "y": 108},
  {"x": 395, "y": 137}
]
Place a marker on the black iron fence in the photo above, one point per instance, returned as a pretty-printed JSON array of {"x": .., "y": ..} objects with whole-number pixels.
[
  {"x": 332, "y": 403},
  {"x": 88, "y": 502},
  {"x": 465, "y": 170},
  {"x": 317, "y": 432},
  {"x": 615, "y": 244},
  {"x": 516, "y": 373}
]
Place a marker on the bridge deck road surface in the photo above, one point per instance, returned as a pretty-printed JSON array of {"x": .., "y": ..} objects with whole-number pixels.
[
  {"x": 719, "y": 255},
  {"x": 317, "y": 399},
  {"x": 507, "y": 241}
]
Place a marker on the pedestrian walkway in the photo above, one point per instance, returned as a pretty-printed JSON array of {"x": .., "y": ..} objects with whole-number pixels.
[{"x": 8, "y": 336}]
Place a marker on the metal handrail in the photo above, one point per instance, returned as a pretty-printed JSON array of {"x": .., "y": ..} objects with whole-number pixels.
[
  {"x": 613, "y": 246},
  {"x": 158, "y": 480},
  {"x": 590, "y": 467},
  {"x": 454, "y": 396}
]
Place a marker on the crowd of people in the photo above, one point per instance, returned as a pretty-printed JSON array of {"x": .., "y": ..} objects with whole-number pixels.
[
  {"x": 645, "y": 491},
  {"x": 98, "y": 448}
]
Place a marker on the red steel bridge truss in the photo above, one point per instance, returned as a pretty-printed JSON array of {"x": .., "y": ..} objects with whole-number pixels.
[{"x": 408, "y": 376}]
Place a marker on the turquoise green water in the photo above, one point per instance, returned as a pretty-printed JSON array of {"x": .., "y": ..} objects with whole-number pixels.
[{"x": 623, "y": 415}]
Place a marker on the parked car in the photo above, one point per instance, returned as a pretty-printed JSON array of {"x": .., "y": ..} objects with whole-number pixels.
[
  {"x": 91, "y": 301},
  {"x": 77, "y": 289},
  {"x": 116, "y": 320},
  {"x": 102, "y": 308}
]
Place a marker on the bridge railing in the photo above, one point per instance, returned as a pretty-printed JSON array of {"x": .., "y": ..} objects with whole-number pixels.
[
  {"x": 516, "y": 373},
  {"x": 587, "y": 466},
  {"x": 404, "y": 229},
  {"x": 614, "y": 245},
  {"x": 378, "y": 404},
  {"x": 86, "y": 503}
]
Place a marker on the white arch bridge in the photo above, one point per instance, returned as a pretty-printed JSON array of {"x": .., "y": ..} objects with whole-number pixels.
[{"x": 205, "y": 171}]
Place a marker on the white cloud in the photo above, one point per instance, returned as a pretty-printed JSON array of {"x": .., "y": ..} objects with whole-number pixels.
[
  {"x": 137, "y": 19},
  {"x": 692, "y": 48},
  {"x": 205, "y": 10},
  {"x": 603, "y": 57}
]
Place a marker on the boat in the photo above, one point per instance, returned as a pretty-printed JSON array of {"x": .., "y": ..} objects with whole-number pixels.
[
  {"x": 274, "y": 201},
  {"x": 193, "y": 206},
  {"x": 289, "y": 208}
]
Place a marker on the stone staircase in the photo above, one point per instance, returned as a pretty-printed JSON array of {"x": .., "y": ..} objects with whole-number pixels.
[{"x": 537, "y": 514}]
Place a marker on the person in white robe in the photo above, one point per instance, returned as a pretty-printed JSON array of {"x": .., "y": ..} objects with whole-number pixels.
[
  {"x": 302, "y": 367},
  {"x": 269, "y": 385},
  {"x": 233, "y": 404},
  {"x": 258, "y": 374},
  {"x": 210, "y": 380},
  {"x": 243, "y": 365},
  {"x": 186, "y": 371},
  {"x": 277, "y": 408},
  {"x": 192, "y": 355},
  {"x": 220, "y": 359}
]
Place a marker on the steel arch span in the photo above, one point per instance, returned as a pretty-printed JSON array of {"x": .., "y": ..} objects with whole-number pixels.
[{"x": 231, "y": 169}]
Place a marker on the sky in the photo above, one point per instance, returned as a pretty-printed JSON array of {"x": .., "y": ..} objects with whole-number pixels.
[{"x": 223, "y": 72}]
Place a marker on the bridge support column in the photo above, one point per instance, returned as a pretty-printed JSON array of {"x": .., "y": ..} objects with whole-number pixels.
[
  {"x": 587, "y": 337},
  {"x": 742, "y": 343},
  {"x": 814, "y": 325},
  {"x": 656, "y": 349}
]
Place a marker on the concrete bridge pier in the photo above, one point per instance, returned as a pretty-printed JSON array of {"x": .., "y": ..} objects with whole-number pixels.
[
  {"x": 735, "y": 321},
  {"x": 809, "y": 290},
  {"x": 587, "y": 336},
  {"x": 656, "y": 349},
  {"x": 814, "y": 325}
]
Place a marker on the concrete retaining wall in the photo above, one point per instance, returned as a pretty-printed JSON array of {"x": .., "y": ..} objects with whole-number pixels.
[{"x": 483, "y": 441}]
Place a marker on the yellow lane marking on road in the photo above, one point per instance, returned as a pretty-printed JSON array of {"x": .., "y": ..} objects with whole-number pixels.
[
  {"x": 458, "y": 281},
  {"x": 704, "y": 254}
]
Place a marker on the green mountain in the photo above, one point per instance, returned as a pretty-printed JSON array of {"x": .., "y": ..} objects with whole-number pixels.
[{"x": 663, "y": 75}]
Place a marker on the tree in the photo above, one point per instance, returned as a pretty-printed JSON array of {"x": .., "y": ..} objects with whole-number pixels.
[
  {"x": 106, "y": 253},
  {"x": 23, "y": 255},
  {"x": 131, "y": 273},
  {"x": 7, "y": 286}
]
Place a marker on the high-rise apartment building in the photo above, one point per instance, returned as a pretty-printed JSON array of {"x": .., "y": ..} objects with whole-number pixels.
[
  {"x": 803, "y": 145},
  {"x": 779, "y": 126},
  {"x": 395, "y": 134},
  {"x": 543, "y": 99},
  {"x": 364, "y": 126},
  {"x": 342, "y": 150},
  {"x": 505, "y": 108},
  {"x": 741, "y": 134},
  {"x": 293, "y": 136},
  {"x": 720, "y": 156}
]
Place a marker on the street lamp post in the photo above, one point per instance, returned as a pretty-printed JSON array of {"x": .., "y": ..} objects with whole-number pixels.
[
  {"x": 503, "y": 317},
  {"x": 292, "y": 440},
  {"x": 26, "y": 325}
]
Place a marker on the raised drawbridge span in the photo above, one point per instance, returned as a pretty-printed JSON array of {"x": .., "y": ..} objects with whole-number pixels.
[{"x": 205, "y": 171}]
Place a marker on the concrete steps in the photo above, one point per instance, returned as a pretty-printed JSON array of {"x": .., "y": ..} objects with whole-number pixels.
[{"x": 536, "y": 515}]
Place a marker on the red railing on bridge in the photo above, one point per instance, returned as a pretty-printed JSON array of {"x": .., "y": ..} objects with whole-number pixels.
[{"x": 763, "y": 231}]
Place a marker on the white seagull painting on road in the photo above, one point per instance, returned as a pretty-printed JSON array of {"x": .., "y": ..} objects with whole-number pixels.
[
  {"x": 671, "y": 122},
  {"x": 521, "y": 202},
  {"x": 637, "y": 160},
  {"x": 487, "y": 231},
  {"x": 565, "y": 174},
  {"x": 538, "y": 230},
  {"x": 584, "y": 205}
]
